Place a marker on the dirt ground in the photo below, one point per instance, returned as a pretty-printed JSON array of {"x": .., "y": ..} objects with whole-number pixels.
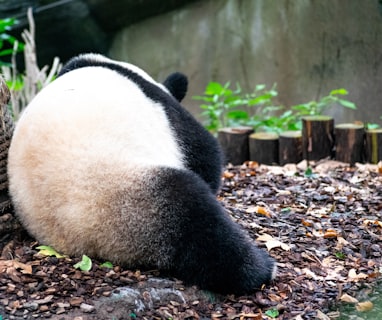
[{"x": 323, "y": 226}]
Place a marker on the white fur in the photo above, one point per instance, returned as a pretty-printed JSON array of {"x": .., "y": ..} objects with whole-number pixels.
[{"x": 111, "y": 118}]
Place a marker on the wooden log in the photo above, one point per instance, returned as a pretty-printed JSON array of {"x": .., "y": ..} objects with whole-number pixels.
[
  {"x": 264, "y": 147},
  {"x": 234, "y": 142},
  {"x": 290, "y": 147},
  {"x": 349, "y": 142},
  {"x": 317, "y": 137},
  {"x": 373, "y": 146}
]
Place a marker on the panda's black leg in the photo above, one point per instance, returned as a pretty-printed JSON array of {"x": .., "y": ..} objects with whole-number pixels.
[{"x": 209, "y": 249}]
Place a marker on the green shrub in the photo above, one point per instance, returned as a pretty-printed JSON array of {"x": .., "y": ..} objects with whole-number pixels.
[
  {"x": 8, "y": 44},
  {"x": 226, "y": 107}
]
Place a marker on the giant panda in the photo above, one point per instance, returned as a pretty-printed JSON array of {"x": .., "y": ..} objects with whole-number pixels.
[{"x": 106, "y": 162}]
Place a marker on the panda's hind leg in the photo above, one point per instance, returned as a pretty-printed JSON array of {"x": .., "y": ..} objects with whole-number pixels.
[{"x": 209, "y": 249}]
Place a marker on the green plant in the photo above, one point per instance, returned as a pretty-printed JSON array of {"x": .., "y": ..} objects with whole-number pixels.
[
  {"x": 371, "y": 126},
  {"x": 226, "y": 107},
  {"x": 8, "y": 44},
  {"x": 270, "y": 120},
  {"x": 218, "y": 100},
  {"x": 318, "y": 107},
  {"x": 24, "y": 87}
]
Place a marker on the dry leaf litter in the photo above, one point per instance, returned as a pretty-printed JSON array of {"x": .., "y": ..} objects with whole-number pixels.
[{"x": 323, "y": 228}]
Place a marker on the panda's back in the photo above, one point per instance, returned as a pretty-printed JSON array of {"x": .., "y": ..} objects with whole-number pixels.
[{"x": 96, "y": 113}]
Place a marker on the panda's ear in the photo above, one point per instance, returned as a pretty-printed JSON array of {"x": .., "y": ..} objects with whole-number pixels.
[{"x": 177, "y": 84}]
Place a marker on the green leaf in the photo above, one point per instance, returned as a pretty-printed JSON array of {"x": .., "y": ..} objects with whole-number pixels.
[
  {"x": 260, "y": 87},
  {"x": 295, "y": 126},
  {"x": 287, "y": 113},
  {"x": 340, "y": 255},
  {"x": 6, "y": 24},
  {"x": 6, "y": 52},
  {"x": 233, "y": 101},
  {"x": 238, "y": 115},
  {"x": 347, "y": 104},
  {"x": 272, "y": 109},
  {"x": 214, "y": 88},
  {"x": 272, "y": 313},
  {"x": 341, "y": 91},
  {"x": 285, "y": 210},
  {"x": 238, "y": 89},
  {"x": 203, "y": 98},
  {"x": 300, "y": 107},
  {"x": 273, "y": 93},
  {"x": 371, "y": 126},
  {"x": 107, "y": 264},
  {"x": 85, "y": 264},
  {"x": 49, "y": 251},
  {"x": 309, "y": 172}
]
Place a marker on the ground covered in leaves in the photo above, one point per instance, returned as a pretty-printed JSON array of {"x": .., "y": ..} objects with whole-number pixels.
[{"x": 323, "y": 226}]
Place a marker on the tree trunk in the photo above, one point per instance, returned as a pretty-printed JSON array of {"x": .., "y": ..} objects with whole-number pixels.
[
  {"x": 349, "y": 142},
  {"x": 234, "y": 142},
  {"x": 8, "y": 223},
  {"x": 373, "y": 145},
  {"x": 264, "y": 147},
  {"x": 290, "y": 147},
  {"x": 317, "y": 137},
  {"x": 6, "y": 131}
]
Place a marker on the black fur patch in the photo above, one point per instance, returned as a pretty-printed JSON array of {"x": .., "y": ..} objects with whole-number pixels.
[
  {"x": 210, "y": 250},
  {"x": 177, "y": 84}
]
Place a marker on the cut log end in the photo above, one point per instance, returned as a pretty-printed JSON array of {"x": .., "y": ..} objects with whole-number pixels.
[
  {"x": 290, "y": 147},
  {"x": 234, "y": 142},
  {"x": 349, "y": 142},
  {"x": 373, "y": 150},
  {"x": 264, "y": 147},
  {"x": 317, "y": 137}
]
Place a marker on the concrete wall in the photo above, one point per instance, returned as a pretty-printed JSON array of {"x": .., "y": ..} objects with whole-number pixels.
[{"x": 307, "y": 47}]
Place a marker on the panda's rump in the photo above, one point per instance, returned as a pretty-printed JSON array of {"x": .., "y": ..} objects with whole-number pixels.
[
  {"x": 75, "y": 149},
  {"x": 107, "y": 213}
]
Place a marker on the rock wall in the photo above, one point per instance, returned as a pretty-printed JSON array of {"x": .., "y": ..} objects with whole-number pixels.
[
  {"x": 307, "y": 47},
  {"x": 68, "y": 27}
]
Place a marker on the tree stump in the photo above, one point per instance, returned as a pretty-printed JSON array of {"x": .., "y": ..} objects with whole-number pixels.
[
  {"x": 373, "y": 145},
  {"x": 264, "y": 147},
  {"x": 317, "y": 137},
  {"x": 290, "y": 147},
  {"x": 349, "y": 142},
  {"x": 234, "y": 142}
]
